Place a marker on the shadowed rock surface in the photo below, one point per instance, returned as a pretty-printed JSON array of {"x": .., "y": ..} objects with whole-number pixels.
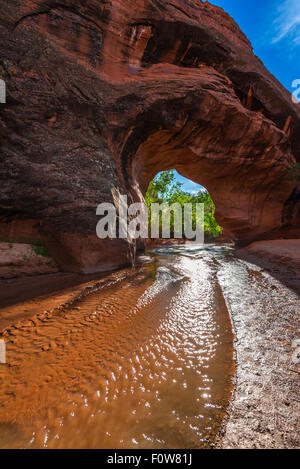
[
  {"x": 21, "y": 259},
  {"x": 104, "y": 94}
]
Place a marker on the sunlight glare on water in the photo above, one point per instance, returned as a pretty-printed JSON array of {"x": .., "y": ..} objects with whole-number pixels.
[{"x": 146, "y": 362}]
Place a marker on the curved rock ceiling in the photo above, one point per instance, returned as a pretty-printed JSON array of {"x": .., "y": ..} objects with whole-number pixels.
[{"x": 104, "y": 94}]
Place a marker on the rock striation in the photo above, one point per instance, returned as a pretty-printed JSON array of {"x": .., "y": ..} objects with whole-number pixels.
[{"x": 103, "y": 94}]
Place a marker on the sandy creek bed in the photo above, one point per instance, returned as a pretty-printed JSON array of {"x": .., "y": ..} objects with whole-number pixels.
[{"x": 194, "y": 350}]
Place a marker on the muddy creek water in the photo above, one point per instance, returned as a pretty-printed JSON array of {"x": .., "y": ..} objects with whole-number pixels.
[{"x": 144, "y": 362}]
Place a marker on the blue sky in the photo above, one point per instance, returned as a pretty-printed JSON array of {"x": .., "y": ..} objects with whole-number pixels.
[
  {"x": 273, "y": 27},
  {"x": 188, "y": 186}
]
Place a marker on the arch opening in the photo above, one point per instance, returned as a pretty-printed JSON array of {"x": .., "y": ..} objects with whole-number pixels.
[
  {"x": 212, "y": 139},
  {"x": 169, "y": 187}
]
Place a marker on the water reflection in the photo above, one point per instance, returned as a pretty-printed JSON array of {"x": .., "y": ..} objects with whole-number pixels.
[{"x": 145, "y": 362}]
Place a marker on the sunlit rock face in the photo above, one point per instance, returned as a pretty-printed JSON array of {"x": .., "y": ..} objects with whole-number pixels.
[{"x": 104, "y": 94}]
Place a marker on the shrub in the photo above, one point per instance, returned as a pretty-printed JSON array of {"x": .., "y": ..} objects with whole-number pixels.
[{"x": 39, "y": 249}]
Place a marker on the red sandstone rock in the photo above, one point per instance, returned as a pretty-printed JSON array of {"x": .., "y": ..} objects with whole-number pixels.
[
  {"x": 284, "y": 250},
  {"x": 105, "y": 94},
  {"x": 18, "y": 260}
]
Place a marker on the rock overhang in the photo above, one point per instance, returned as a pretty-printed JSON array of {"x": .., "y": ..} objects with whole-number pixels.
[{"x": 113, "y": 92}]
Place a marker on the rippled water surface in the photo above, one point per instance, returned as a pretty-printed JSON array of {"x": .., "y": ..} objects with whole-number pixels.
[{"x": 145, "y": 362}]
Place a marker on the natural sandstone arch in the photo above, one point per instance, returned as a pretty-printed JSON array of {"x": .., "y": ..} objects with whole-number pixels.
[
  {"x": 211, "y": 138},
  {"x": 105, "y": 94}
]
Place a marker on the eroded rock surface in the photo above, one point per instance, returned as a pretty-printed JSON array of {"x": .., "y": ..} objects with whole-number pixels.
[
  {"x": 104, "y": 94},
  {"x": 18, "y": 260}
]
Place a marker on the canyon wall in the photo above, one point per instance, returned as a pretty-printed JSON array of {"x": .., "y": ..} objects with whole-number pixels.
[{"x": 101, "y": 95}]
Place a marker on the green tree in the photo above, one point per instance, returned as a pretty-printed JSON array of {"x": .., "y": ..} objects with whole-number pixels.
[
  {"x": 165, "y": 189},
  {"x": 162, "y": 188}
]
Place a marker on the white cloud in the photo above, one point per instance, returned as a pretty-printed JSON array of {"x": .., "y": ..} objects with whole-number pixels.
[{"x": 287, "y": 22}]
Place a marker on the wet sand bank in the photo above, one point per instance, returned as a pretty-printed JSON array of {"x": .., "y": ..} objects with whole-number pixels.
[
  {"x": 265, "y": 406},
  {"x": 281, "y": 258}
]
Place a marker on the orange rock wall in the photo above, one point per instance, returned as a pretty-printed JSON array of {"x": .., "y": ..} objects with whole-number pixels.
[{"x": 104, "y": 94}]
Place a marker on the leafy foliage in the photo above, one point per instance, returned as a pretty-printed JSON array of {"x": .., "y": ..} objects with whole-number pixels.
[
  {"x": 165, "y": 189},
  {"x": 39, "y": 249},
  {"x": 37, "y": 245}
]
